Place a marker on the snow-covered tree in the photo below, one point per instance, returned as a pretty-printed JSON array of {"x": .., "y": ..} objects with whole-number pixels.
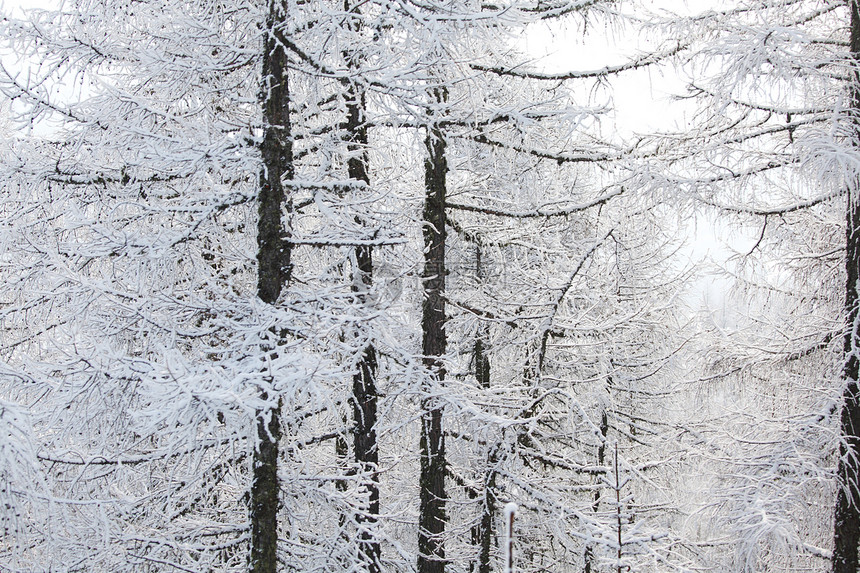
[
  {"x": 316, "y": 286},
  {"x": 772, "y": 149}
]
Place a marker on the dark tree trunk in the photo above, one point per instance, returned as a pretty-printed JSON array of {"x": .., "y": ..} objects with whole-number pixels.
[
  {"x": 601, "y": 460},
  {"x": 431, "y": 517},
  {"x": 482, "y": 361},
  {"x": 484, "y": 531},
  {"x": 847, "y": 515},
  {"x": 273, "y": 273},
  {"x": 264, "y": 494},
  {"x": 367, "y": 456},
  {"x": 276, "y": 150},
  {"x": 364, "y": 393},
  {"x": 485, "y": 526}
]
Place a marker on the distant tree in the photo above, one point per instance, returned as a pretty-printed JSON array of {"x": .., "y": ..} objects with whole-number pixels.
[{"x": 773, "y": 151}]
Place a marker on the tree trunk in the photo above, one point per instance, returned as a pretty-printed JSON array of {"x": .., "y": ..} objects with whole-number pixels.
[
  {"x": 364, "y": 392},
  {"x": 482, "y": 361},
  {"x": 483, "y": 534},
  {"x": 431, "y": 517},
  {"x": 485, "y": 527},
  {"x": 595, "y": 507},
  {"x": 847, "y": 515},
  {"x": 273, "y": 273}
]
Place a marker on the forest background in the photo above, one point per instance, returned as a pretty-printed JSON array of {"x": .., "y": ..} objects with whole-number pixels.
[{"x": 304, "y": 285}]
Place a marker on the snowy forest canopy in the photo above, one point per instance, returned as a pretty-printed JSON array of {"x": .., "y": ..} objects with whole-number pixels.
[{"x": 318, "y": 286}]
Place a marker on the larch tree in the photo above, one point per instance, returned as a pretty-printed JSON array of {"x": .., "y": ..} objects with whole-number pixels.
[
  {"x": 145, "y": 184},
  {"x": 273, "y": 274},
  {"x": 140, "y": 190},
  {"x": 846, "y": 521},
  {"x": 317, "y": 285},
  {"x": 542, "y": 390},
  {"x": 773, "y": 151}
]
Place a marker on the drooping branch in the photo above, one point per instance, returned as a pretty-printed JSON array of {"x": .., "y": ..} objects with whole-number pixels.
[
  {"x": 634, "y": 64},
  {"x": 538, "y": 212}
]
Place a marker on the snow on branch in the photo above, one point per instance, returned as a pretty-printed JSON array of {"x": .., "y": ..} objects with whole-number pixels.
[{"x": 634, "y": 64}]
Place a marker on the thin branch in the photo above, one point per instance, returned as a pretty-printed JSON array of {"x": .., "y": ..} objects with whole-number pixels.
[
  {"x": 783, "y": 210},
  {"x": 539, "y": 211},
  {"x": 640, "y": 62}
]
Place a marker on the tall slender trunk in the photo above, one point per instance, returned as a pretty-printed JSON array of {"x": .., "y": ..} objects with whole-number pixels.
[
  {"x": 595, "y": 507},
  {"x": 484, "y": 530},
  {"x": 847, "y": 515},
  {"x": 482, "y": 361},
  {"x": 485, "y": 526},
  {"x": 273, "y": 273},
  {"x": 431, "y": 517},
  {"x": 364, "y": 392}
]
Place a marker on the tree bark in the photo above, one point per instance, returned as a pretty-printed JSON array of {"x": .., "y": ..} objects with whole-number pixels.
[
  {"x": 484, "y": 530},
  {"x": 482, "y": 361},
  {"x": 431, "y": 518},
  {"x": 595, "y": 507},
  {"x": 485, "y": 526},
  {"x": 364, "y": 392},
  {"x": 847, "y": 514},
  {"x": 273, "y": 273}
]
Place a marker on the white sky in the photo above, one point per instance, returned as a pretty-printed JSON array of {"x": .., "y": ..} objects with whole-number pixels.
[
  {"x": 17, "y": 5},
  {"x": 642, "y": 99},
  {"x": 642, "y": 103}
]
